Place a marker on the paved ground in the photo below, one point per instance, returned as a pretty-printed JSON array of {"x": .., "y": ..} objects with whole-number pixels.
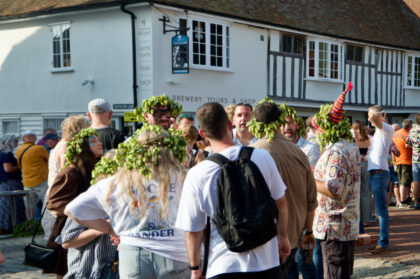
[{"x": 403, "y": 260}]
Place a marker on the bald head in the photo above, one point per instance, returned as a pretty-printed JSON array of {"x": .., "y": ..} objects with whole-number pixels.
[{"x": 396, "y": 127}]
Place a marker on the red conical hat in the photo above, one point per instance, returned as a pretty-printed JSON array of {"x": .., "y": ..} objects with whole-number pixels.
[
  {"x": 315, "y": 124},
  {"x": 336, "y": 113}
]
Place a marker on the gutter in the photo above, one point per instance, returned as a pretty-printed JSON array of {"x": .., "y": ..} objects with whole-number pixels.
[{"x": 133, "y": 39}]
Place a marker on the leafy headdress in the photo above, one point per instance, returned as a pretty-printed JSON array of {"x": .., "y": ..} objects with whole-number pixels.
[
  {"x": 260, "y": 129},
  {"x": 162, "y": 100},
  {"x": 332, "y": 122},
  {"x": 74, "y": 147},
  {"x": 133, "y": 155}
]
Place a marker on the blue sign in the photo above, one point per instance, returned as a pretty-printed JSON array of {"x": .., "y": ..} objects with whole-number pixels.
[{"x": 180, "y": 54}]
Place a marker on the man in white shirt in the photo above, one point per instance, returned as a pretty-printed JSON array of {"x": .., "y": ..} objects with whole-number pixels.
[
  {"x": 199, "y": 200},
  {"x": 379, "y": 173}
]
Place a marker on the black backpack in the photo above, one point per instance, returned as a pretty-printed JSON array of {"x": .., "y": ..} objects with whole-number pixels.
[{"x": 246, "y": 215}]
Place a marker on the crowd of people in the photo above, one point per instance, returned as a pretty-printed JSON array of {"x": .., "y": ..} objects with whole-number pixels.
[{"x": 145, "y": 205}]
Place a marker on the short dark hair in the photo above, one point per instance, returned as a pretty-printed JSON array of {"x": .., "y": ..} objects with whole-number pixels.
[
  {"x": 242, "y": 105},
  {"x": 266, "y": 112},
  {"x": 212, "y": 119},
  {"x": 407, "y": 124}
]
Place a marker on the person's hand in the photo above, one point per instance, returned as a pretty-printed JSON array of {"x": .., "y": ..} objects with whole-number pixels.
[
  {"x": 284, "y": 248},
  {"x": 308, "y": 241}
]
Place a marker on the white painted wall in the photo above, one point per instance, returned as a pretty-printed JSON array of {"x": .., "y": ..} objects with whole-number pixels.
[
  {"x": 246, "y": 82},
  {"x": 99, "y": 50}
]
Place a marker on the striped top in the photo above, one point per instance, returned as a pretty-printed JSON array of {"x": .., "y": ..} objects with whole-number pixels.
[{"x": 89, "y": 261}]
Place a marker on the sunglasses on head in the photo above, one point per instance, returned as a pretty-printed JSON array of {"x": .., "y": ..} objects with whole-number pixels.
[{"x": 186, "y": 115}]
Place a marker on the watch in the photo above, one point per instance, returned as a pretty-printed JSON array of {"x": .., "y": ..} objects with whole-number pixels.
[{"x": 197, "y": 267}]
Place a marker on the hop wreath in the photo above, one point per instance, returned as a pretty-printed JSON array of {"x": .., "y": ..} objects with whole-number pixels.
[
  {"x": 162, "y": 100},
  {"x": 132, "y": 155},
  {"x": 75, "y": 145},
  {"x": 332, "y": 132}
]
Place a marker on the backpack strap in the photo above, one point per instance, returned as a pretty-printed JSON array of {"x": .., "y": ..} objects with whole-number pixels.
[
  {"x": 246, "y": 152},
  {"x": 218, "y": 159}
]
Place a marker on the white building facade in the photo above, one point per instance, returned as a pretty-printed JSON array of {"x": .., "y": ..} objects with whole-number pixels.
[{"x": 52, "y": 65}]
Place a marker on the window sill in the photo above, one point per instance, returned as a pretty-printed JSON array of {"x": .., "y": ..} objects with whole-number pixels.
[
  {"x": 227, "y": 70},
  {"x": 325, "y": 80},
  {"x": 62, "y": 70},
  {"x": 412, "y": 88}
]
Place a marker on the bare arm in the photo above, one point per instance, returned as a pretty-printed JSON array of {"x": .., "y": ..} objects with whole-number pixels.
[
  {"x": 100, "y": 225},
  {"x": 193, "y": 241},
  {"x": 322, "y": 188},
  {"x": 284, "y": 245},
  {"x": 82, "y": 239},
  {"x": 377, "y": 118},
  {"x": 8, "y": 167}
]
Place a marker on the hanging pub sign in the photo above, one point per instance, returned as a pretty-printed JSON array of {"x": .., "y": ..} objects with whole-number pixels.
[{"x": 180, "y": 55}]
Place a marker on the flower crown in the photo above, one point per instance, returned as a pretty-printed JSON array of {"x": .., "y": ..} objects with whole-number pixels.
[
  {"x": 75, "y": 145},
  {"x": 132, "y": 155},
  {"x": 162, "y": 100}
]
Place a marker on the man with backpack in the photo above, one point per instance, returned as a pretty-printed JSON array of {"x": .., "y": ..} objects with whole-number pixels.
[{"x": 244, "y": 200}]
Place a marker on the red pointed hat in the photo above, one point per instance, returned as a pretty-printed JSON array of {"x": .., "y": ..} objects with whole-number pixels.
[{"x": 336, "y": 113}]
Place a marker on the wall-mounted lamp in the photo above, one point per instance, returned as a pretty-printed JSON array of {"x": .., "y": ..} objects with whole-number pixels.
[{"x": 91, "y": 81}]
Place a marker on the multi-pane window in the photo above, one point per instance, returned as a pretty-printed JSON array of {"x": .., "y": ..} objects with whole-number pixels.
[
  {"x": 413, "y": 71},
  {"x": 324, "y": 60},
  {"x": 210, "y": 43},
  {"x": 10, "y": 127},
  {"x": 54, "y": 123},
  {"x": 354, "y": 53},
  {"x": 292, "y": 44},
  {"x": 61, "y": 45}
]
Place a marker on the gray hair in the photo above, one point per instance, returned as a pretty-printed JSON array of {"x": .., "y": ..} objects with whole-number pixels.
[{"x": 6, "y": 143}]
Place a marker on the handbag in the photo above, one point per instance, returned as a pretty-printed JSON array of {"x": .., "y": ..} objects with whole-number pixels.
[{"x": 40, "y": 256}]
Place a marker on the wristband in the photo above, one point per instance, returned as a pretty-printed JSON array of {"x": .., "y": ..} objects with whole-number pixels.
[
  {"x": 308, "y": 233},
  {"x": 197, "y": 267}
]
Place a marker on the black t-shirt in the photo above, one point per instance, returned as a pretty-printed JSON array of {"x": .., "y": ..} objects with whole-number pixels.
[{"x": 110, "y": 138}]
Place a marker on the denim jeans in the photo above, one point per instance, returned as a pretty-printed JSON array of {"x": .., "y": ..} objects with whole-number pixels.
[
  {"x": 378, "y": 185},
  {"x": 136, "y": 262},
  {"x": 317, "y": 257}
]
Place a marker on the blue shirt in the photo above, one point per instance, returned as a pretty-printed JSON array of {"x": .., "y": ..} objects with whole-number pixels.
[
  {"x": 237, "y": 142},
  {"x": 8, "y": 158}
]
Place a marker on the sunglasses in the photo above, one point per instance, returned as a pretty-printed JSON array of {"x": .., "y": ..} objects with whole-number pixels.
[{"x": 186, "y": 115}]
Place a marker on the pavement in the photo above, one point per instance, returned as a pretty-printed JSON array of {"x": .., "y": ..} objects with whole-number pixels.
[{"x": 402, "y": 261}]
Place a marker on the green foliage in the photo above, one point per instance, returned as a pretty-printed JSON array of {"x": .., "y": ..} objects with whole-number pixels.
[
  {"x": 132, "y": 155},
  {"x": 332, "y": 132},
  {"x": 27, "y": 228},
  {"x": 75, "y": 145},
  {"x": 289, "y": 111},
  {"x": 162, "y": 100}
]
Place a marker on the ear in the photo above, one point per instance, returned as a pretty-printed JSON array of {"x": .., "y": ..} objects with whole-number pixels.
[
  {"x": 230, "y": 126},
  {"x": 88, "y": 114},
  {"x": 202, "y": 134},
  {"x": 110, "y": 114}
]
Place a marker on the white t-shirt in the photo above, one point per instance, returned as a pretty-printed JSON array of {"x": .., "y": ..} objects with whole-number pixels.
[
  {"x": 199, "y": 200},
  {"x": 379, "y": 148},
  {"x": 150, "y": 232}
]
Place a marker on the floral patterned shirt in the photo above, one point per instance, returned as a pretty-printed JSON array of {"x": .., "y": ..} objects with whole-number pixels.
[
  {"x": 413, "y": 139},
  {"x": 339, "y": 168}
]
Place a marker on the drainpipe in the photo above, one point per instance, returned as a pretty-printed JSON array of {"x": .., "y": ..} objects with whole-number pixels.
[{"x": 133, "y": 38}]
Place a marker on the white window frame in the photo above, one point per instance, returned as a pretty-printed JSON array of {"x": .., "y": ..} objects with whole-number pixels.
[
  {"x": 57, "y": 30},
  {"x": 413, "y": 59},
  {"x": 4, "y": 120},
  {"x": 226, "y": 44},
  {"x": 316, "y": 60}
]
